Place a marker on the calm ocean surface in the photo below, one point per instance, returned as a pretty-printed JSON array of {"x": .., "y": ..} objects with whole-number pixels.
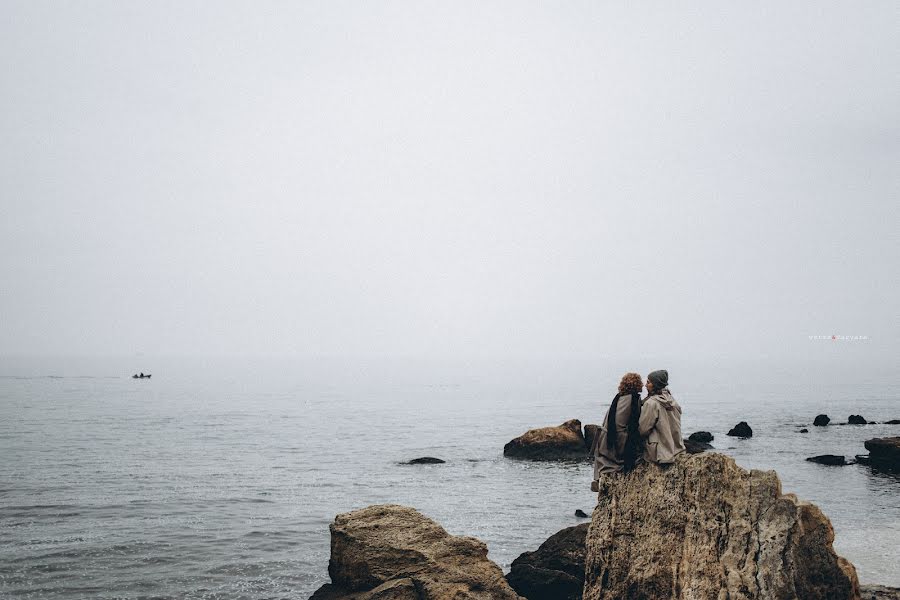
[{"x": 218, "y": 478}]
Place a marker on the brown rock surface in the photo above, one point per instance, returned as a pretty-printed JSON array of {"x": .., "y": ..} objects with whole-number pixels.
[
  {"x": 392, "y": 552},
  {"x": 705, "y": 528},
  {"x": 563, "y": 442}
]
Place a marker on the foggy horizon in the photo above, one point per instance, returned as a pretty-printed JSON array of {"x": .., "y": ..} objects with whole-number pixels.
[{"x": 498, "y": 180}]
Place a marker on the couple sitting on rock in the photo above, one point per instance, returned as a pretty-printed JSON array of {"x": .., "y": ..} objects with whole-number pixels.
[{"x": 637, "y": 429}]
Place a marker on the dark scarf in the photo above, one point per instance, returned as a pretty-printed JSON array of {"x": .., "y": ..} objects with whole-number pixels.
[{"x": 632, "y": 443}]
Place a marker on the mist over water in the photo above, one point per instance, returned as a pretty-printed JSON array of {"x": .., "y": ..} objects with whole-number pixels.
[{"x": 218, "y": 478}]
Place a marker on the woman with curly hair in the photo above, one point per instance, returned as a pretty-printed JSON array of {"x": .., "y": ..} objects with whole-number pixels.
[{"x": 617, "y": 445}]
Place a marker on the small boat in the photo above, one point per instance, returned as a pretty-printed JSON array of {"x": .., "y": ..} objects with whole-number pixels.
[{"x": 141, "y": 376}]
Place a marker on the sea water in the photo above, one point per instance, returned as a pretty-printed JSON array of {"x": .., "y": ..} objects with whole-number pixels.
[{"x": 218, "y": 478}]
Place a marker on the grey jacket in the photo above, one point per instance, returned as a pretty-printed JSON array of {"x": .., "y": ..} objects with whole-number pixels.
[{"x": 660, "y": 424}]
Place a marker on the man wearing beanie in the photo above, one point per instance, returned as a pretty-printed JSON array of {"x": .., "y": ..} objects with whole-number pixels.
[{"x": 660, "y": 423}]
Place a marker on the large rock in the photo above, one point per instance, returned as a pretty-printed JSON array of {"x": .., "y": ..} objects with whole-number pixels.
[
  {"x": 565, "y": 442},
  {"x": 704, "y": 528},
  {"x": 391, "y": 552},
  {"x": 856, "y": 420},
  {"x": 822, "y": 420},
  {"x": 884, "y": 451},
  {"x": 741, "y": 430},
  {"x": 555, "y": 571}
]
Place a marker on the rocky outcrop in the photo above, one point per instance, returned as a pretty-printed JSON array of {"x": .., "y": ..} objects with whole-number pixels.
[
  {"x": 884, "y": 451},
  {"x": 704, "y": 528},
  {"x": 892, "y": 422},
  {"x": 555, "y": 571},
  {"x": 564, "y": 442},
  {"x": 856, "y": 420},
  {"x": 821, "y": 420},
  {"x": 391, "y": 552},
  {"x": 741, "y": 430}
]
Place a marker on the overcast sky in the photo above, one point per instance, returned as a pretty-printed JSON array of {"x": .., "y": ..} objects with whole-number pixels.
[{"x": 450, "y": 178}]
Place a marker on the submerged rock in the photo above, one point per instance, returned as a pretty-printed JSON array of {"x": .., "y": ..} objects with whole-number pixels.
[
  {"x": 834, "y": 460},
  {"x": 555, "y": 571},
  {"x": 581, "y": 514},
  {"x": 703, "y": 437},
  {"x": 706, "y": 528},
  {"x": 821, "y": 420},
  {"x": 892, "y": 422},
  {"x": 392, "y": 552},
  {"x": 857, "y": 420},
  {"x": 426, "y": 460},
  {"x": 804, "y": 430},
  {"x": 741, "y": 430},
  {"x": 564, "y": 442}
]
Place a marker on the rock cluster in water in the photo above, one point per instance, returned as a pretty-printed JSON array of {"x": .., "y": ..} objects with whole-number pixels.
[{"x": 706, "y": 528}]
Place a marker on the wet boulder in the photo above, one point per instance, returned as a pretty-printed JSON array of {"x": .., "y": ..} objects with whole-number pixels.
[
  {"x": 426, "y": 460},
  {"x": 884, "y": 451},
  {"x": 704, "y": 437},
  {"x": 821, "y": 420},
  {"x": 555, "y": 571},
  {"x": 833, "y": 460},
  {"x": 563, "y": 442},
  {"x": 857, "y": 420},
  {"x": 741, "y": 430},
  {"x": 694, "y": 447}
]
